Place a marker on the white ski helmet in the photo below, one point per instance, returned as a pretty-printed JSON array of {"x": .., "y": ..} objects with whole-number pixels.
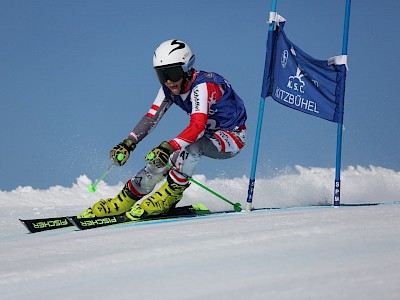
[{"x": 173, "y": 52}]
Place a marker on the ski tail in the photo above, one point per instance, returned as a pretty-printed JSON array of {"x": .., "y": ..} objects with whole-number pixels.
[{"x": 44, "y": 224}]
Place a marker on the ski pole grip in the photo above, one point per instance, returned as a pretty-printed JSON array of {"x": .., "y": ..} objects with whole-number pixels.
[{"x": 150, "y": 156}]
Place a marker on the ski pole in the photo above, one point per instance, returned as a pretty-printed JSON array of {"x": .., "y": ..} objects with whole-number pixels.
[
  {"x": 236, "y": 206},
  {"x": 92, "y": 187}
]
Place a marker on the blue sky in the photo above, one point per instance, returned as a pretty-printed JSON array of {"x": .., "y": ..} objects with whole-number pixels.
[{"x": 76, "y": 76}]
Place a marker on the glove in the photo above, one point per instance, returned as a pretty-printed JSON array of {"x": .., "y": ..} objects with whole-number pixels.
[
  {"x": 120, "y": 153},
  {"x": 159, "y": 156}
]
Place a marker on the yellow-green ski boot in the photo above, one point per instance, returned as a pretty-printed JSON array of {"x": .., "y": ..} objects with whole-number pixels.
[
  {"x": 136, "y": 213},
  {"x": 112, "y": 206},
  {"x": 167, "y": 196}
]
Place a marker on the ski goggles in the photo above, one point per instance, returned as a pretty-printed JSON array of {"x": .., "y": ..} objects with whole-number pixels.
[{"x": 173, "y": 73}]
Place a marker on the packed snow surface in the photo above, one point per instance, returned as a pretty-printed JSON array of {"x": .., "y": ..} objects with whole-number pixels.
[{"x": 306, "y": 250}]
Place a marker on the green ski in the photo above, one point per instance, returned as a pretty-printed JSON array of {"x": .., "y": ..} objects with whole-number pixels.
[{"x": 179, "y": 212}]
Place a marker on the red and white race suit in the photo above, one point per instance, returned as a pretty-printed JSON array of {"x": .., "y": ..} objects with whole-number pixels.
[{"x": 216, "y": 129}]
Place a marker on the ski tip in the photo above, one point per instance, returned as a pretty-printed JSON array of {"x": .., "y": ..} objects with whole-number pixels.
[
  {"x": 200, "y": 209},
  {"x": 199, "y": 206}
]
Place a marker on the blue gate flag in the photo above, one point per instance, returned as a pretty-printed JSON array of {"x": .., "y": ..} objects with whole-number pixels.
[{"x": 297, "y": 80}]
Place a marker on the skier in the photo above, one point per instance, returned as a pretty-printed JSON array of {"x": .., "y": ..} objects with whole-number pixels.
[{"x": 216, "y": 130}]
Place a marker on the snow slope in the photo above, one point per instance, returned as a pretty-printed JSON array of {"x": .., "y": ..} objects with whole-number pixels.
[{"x": 311, "y": 252}]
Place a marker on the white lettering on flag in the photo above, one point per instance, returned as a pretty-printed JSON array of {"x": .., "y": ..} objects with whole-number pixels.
[{"x": 296, "y": 100}]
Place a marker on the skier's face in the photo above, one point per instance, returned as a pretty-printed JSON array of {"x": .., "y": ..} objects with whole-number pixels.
[
  {"x": 175, "y": 87},
  {"x": 172, "y": 76}
]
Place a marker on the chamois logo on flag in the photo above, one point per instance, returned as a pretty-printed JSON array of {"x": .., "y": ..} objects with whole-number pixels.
[{"x": 299, "y": 81}]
